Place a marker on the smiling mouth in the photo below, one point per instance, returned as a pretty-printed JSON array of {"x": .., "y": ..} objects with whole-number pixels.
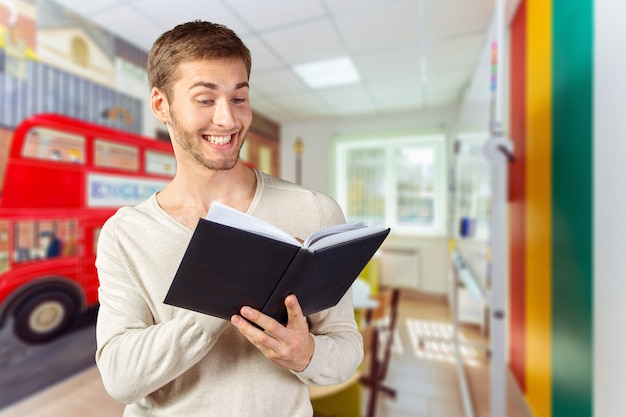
[{"x": 218, "y": 140}]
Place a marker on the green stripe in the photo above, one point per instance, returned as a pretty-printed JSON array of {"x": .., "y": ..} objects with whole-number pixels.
[{"x": 572, "y": 205}]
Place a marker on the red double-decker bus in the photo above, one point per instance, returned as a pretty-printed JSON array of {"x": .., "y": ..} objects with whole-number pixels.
[{"x": 64, "y": 177}]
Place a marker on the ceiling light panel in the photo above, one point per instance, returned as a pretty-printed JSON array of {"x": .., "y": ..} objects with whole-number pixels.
[{"x": 328, "y": 73}]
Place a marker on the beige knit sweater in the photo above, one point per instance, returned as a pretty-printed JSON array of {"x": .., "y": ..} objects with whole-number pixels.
[{"x": 165, "y": 361}]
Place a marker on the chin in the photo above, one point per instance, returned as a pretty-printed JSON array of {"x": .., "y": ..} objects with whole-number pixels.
[{"x": 222, "y": 165}]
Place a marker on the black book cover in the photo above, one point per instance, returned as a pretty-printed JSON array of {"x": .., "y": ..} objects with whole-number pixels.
[{"x": 225, "y": 268}]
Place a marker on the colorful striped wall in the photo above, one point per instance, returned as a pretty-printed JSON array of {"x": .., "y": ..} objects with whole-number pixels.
[{"x": 551, "y": 210}]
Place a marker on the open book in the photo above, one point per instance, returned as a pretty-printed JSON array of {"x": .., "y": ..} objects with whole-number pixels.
[{"x": 234, "y": 259}]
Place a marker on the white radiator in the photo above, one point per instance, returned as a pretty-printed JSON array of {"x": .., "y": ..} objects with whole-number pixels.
[{"x": 400, "y": 267}]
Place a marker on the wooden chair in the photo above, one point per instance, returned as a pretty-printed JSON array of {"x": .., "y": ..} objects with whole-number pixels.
[{"x": 381, "y": 320}]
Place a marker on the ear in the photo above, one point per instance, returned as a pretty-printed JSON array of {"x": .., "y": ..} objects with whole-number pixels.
[{"x": 159, "y": 105}]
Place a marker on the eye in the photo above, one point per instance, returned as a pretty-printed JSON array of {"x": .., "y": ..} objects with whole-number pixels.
[{"x": 205, "y": 101}]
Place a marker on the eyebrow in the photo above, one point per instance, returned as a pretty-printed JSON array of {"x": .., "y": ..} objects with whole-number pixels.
[{"x": 213, "y": 86}]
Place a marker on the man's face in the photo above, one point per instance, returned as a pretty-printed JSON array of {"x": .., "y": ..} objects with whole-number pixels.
[
  {"x": 45, "y": 240},
  {"x": 209, "y": 112}
]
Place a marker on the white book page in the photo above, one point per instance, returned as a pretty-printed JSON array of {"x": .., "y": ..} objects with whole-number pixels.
[
  {"x": 223, "y": 214},
  {"x": 331, "y": 230},
  {"x": 334, "y": 239},
  {"x": 323, "y": 238}
]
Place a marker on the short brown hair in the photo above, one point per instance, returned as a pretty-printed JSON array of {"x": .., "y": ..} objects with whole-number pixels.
[{"x": 192, "y": 41}]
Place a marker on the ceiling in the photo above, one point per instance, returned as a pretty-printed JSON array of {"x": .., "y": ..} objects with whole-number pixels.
[{"x": 411, "y": 55}]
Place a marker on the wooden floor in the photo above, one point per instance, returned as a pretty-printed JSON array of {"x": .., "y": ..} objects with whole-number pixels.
[{"x": 425, "y": 377}]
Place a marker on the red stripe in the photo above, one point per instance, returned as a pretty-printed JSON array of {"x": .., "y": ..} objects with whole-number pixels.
[{"x": 517, "y": 198}]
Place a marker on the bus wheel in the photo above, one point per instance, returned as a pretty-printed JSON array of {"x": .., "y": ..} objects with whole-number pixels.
[{"x": 44, "y": 316}]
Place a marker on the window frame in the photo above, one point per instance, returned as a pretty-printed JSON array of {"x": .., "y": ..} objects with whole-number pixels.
[{"x": 390, "y": 144}]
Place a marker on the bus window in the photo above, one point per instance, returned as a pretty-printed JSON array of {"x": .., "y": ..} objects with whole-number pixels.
[
  {"x": 54, "y": 145},
  {"x": 44, "y": 239},
  {"x": 67, "y": 231},
  {"x": 115, "y": 155},
  {"x": 4, "y": 246},
  {"x": 160, "y": 163}
]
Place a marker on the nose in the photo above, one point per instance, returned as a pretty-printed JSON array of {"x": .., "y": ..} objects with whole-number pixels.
[{"x": 223, "y": 114}]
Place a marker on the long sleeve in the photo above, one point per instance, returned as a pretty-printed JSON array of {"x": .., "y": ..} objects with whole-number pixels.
[
  {"x": 338, "y": 345},
  {"x": 136, "y": 355}
]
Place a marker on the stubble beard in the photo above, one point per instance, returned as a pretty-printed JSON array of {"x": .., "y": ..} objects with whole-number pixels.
[{"x": 188, "y": 142}]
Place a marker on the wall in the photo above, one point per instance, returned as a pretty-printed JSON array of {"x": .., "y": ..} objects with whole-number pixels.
[
  {"x": 565, "y": 98},
  {"x": 552, "y": 252},
  {"x": 609, "y": 151},
  {"x": 316, "y": 168},
  {"x": 317, "y": 172}
]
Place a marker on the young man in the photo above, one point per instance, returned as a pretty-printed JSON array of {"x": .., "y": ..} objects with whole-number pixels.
[{"x": 167, "y": 361}]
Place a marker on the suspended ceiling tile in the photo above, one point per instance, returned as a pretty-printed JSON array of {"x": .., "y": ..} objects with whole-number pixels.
[
  {"x": 455, "y": 53},
  {"x": 379, "y": 25},
  {"x": 449, "y": 18},
  {"x": 308, "y": 42},
  {"x": 276, "y": 82},
  {"x": 268, "y": 14},
  {"x": 389, "y": 64}
]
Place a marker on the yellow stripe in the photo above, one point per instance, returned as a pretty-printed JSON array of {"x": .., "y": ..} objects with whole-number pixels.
[{"x": 538, "y": 205}]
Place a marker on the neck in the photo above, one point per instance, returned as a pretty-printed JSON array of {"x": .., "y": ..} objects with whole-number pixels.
[{"x": 188, "y": 197}]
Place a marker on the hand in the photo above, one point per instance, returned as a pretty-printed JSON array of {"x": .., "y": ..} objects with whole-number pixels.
[{"x": 289, "y": 346}]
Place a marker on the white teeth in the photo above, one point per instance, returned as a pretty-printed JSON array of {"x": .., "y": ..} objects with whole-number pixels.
[{"x": 219, "y": 140}]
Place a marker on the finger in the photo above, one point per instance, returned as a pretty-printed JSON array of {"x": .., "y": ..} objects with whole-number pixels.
[
  {"x": 294, "y": 313},
  {"x": 262, "y": 321},
  {"x": 252, "y": 331},
  {"x": 242, "y": 324},
  {"x": 281, "y": 345}
]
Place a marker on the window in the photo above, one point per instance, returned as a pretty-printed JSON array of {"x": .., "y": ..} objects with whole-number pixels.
[
  {"x": 472, "y": 197},
  {"x": 115, "y": 155},
  {"x": 160, "y": 163},
  {"x": 54, "y": 145},
  {"x": 44, "y": 239},
  {"x": 400, "y": 182},
  {"x": 80, "y": 52}
]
